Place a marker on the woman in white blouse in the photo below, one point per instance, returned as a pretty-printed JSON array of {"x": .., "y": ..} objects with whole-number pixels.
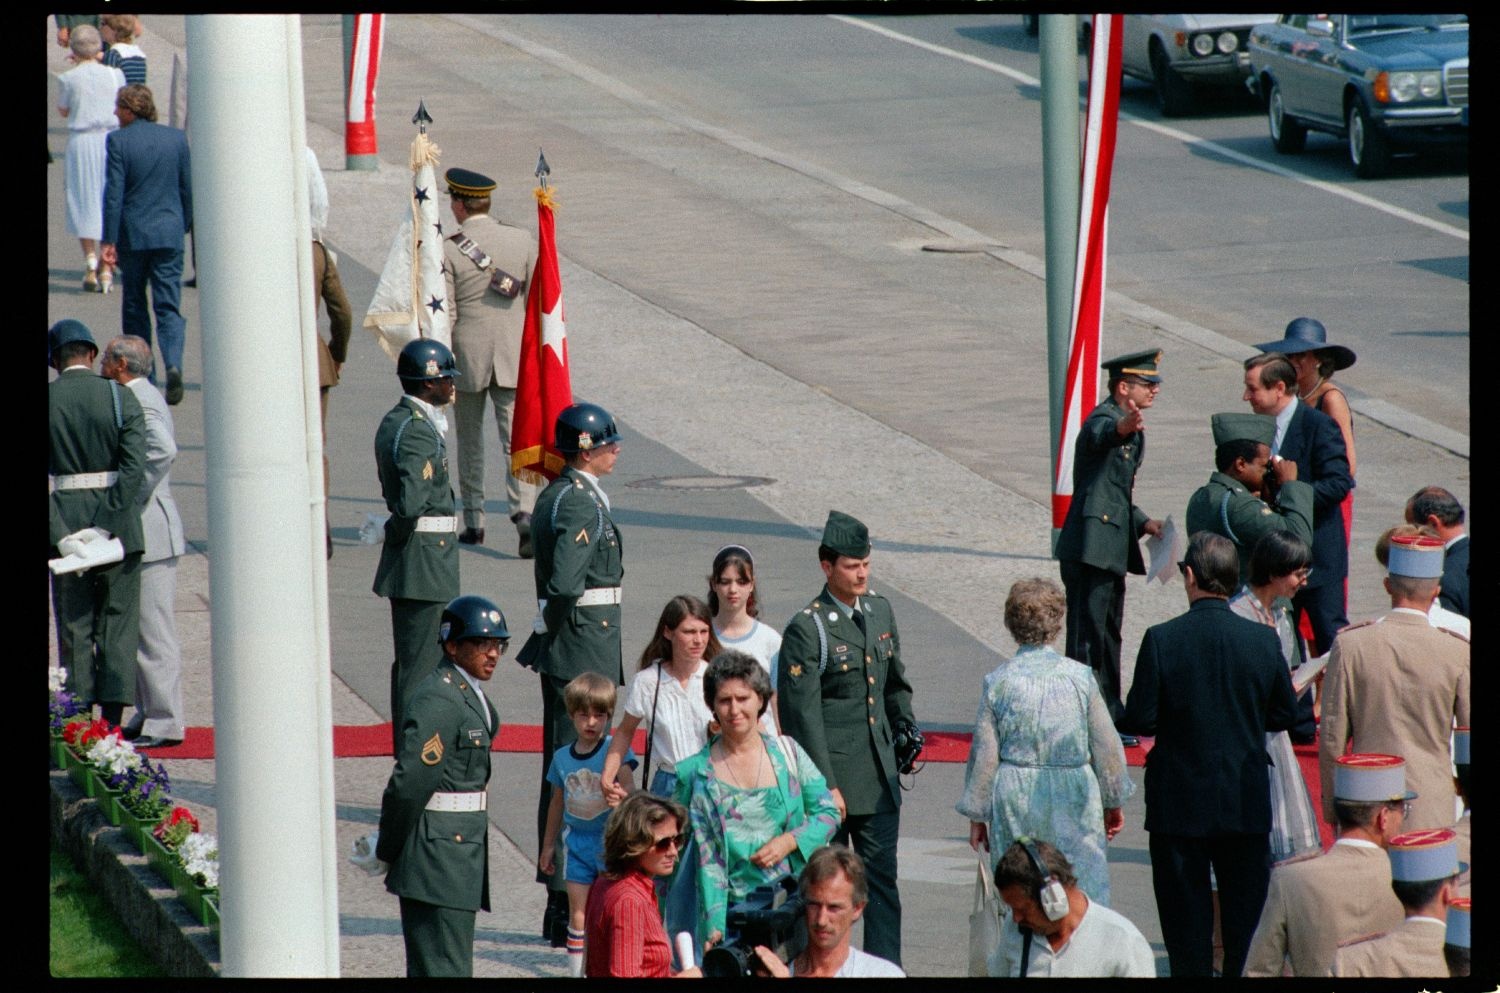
[{"x": 731, "y": 598}]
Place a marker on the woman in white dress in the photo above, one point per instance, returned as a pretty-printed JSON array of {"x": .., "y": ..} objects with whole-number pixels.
[
  {"x": 731, "y": 599},
  {"x": 86, "y": 98}
]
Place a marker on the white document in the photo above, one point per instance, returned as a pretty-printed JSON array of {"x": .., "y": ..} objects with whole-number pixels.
[
  {"x": 87, "y": 555},
  {"x": 1303, "y": 675},
  {"x": 1164, "y": 552}
]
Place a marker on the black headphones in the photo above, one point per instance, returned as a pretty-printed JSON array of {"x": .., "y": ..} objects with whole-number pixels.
[{"x": 1050, "y": 894}]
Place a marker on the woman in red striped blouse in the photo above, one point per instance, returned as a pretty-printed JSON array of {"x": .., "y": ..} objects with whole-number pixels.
[{"x": 625, "y": 936}]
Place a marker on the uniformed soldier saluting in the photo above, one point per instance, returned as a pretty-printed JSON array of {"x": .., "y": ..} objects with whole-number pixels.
[
  {"x": 1100, "y": 536},
  {"x": 418, "y": 568},
  {"x": 578, "y": 570},
  {"x": 843, "y": 694},
  {"x": 1236, "y": 502},
  {"x": 434, "y": 825}
]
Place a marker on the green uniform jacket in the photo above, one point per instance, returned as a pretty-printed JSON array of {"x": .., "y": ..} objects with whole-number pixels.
[
  {"x": 440, "y": 857},
  {"x": 842, "y": 715},
  {"x": 96, "y": 425},
  {"x": 1226, "y": 508},
  {"x": 413, "y": 466},
  {"x": 577, "y": 548},
  {"x": 1104, "y": 525}
]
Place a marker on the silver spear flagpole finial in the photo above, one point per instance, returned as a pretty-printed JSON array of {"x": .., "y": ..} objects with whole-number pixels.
[
  {"x": 543, "y": 170},
  {"x": 421, "y": 118}
]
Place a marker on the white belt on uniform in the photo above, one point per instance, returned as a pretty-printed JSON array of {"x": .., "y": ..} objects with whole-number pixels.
[
  {"x": 440, "y": 525},
  {"x": 85, "y": 481},
  {"x": 457, "y": 802},
  {"x": 600, "y": 596}
]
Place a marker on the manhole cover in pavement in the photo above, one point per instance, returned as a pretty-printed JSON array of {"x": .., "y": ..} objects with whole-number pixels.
[{"x": 700, "y": 482}]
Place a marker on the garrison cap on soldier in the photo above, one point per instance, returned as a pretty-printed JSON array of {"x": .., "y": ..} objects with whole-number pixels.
[
  {"x": 1243, "y": 427},
  {"x": 846, "y": 535}
]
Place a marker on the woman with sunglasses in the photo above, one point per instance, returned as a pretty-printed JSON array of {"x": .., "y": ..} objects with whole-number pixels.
[
  {"x": 757, "y": 804},
  {"x": 626, "y": 938}
]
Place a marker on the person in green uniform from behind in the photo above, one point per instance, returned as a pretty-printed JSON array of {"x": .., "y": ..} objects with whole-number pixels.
[
  {"x": 418, "y": 567},
  {"x": 1250, "y": 493},
  {"x": 842, "y": 694},
  {"x": 96, "y": 463},
  {"x": 578, "y": 569},
  {"x": 1100, "y": 538},
  {"x": 434, "y": 825}
]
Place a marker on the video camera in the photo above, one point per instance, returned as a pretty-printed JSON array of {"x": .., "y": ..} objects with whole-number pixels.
[{"x": 770, "y": 915}]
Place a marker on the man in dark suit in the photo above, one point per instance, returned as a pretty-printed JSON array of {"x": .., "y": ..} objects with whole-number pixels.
[
  {"x": 434, "y": 829},
  {"x": 1440, "y": 510},
  {"x": 148, "y": 207},
  {"x": 578, "y": 570},
  {"x": 1209, "y": 685},
  {"x": 1100, "y": 536},
  {"x": 418, "y": 567},
  {"x": 96, "y": 465},
  {"x": 1313, "y": 441},
  {"x": 842, "y": 692}
]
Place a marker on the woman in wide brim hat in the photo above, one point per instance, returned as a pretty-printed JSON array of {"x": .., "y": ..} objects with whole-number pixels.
[{"x": 1306, "y": 344}]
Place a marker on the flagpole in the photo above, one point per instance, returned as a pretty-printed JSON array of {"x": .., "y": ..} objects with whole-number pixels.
[{"x": 1060, "y": 163}]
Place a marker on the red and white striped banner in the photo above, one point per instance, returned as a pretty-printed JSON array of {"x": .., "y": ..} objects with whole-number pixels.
[
  {"x": 364, "y": 68},
  {"x": 1081, "y": 391}
]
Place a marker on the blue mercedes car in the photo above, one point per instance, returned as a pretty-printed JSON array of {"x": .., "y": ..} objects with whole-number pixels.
[{"x": 1380, "y": 81}]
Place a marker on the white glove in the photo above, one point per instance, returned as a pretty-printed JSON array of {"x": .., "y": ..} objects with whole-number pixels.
[
  {"x": 363, "y": 855},
  {"x": 75, "y": 543}
]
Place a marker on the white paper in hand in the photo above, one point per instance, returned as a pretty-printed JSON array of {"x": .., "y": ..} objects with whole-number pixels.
[{"x": 1164, "y": 552}]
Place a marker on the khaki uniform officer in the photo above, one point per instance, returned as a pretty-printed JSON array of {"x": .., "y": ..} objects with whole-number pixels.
[
  {"x": 1100, "y": 536},
  {"x": 1423, "y": 866},
  {"x": 1396, "y": 685},
  {"x": 842, "y": 692},
  {"x": 434, "y": 828},
  {"x": 578, "y": 571},
  {"x": 1233, "y": 502},
  {"x": 1315, "y": 903},
  {"x": 96, "y": 465},
  {"x": 486, "y": 265},
  {"x": 418, "y": 568}
]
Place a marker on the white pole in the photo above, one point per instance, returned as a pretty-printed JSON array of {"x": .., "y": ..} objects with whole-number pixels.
[{"x": 261, "y": 433}]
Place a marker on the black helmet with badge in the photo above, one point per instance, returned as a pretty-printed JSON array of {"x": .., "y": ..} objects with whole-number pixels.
[
  {"x": 424, "y": 358},
  {"x": 65, "y": 332},
  {"x": 584, "y": 426},
  {"x": 472, "y": 617}
]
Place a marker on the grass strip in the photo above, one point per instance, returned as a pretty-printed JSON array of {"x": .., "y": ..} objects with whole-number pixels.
[{"x": 87, "y": 938}]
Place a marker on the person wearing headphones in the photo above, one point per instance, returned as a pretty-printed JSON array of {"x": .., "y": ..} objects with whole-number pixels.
[{"x": 1054, "y": 930}]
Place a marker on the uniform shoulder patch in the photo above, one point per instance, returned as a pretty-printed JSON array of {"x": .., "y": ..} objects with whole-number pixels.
[
  {"x": 581, "y": 536},
  {"x": 794, "y": 670},
  {"x": 427, "y": 469},
  {"x": 432, "y": 750}
]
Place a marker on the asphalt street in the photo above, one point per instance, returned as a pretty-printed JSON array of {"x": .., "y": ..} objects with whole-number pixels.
[{"x": 744, "y": 204}]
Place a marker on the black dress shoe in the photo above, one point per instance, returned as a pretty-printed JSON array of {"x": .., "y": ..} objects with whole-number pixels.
[
  {"x": 174, "y": 386},
  {"x": 523, "y": 528},
  {"x": 471, "y": 536},
  {"x": 155, "y": 742},
  {"x": 130, "y": 734},
  {"x": 1130, "y": 741}
]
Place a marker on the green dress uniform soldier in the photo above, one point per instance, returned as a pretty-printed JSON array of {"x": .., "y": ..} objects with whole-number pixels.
[
  {"x": 96, "y": 462},
  {"x": 418, "y": 567},
  {"x": 486, "y": 264},
  {"x": 434, "y": 825},
  {"x": 578, "y": 570},
  {"x": 842, "y": 693},
  {"x": 1099, "y": 542},
  {"x": 1232, "y": 503}
]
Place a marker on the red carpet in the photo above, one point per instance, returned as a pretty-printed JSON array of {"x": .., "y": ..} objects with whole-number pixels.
[{"x": 374, "y": 740}]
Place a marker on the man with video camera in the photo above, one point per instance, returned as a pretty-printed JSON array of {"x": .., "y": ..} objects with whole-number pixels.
[{"x": 834, "y": 894}]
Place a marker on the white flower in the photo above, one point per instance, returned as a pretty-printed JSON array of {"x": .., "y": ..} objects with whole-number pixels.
[
  {"x": 199, "y": 854},
  {"x": 113, "y": 755},
  {"x": 57, "y": 678}
]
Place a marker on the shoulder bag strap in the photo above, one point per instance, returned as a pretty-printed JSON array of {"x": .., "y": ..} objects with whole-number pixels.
[
  {"x": 1026, "y": 935},
  {"x": 651, "y": 732}
]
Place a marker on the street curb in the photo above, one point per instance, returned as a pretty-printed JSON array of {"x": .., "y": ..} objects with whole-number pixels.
[{"x": 147, "y": 907}]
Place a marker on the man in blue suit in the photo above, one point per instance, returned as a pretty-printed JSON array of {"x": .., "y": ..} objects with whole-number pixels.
[
  {"x": 148, "y": 207},
  {"x": 1209, "y": 685},
  {"x": 1312, "y": 440}
]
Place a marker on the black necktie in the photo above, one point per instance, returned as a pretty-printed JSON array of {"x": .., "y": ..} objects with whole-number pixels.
[{"x": 859, "y": 621}]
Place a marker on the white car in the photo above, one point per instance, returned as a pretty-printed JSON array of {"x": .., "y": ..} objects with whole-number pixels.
[{"x": 1178, "y": 53}]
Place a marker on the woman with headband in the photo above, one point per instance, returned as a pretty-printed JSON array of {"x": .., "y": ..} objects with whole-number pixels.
[{"x": 731, "y": 600}]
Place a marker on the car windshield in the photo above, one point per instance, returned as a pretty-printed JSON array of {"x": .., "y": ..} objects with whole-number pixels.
[{"x": 1365, "y": 24}]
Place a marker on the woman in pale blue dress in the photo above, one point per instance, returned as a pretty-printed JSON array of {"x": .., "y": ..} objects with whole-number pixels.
[
  {"x": 1046, "y": 761},
  {"x": 86, "y": 97}
]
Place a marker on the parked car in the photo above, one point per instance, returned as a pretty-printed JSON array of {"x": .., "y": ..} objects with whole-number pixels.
[
  {"x": 1380, "y": 81},
  {"x": 1180, "y": 53}
]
